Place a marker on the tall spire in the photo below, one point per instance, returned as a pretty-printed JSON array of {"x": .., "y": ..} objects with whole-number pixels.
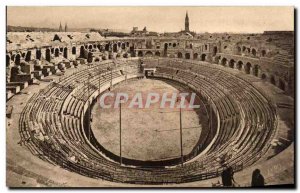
[
  {"x": 187, "y": 23},
  {"x": 66, "y": 27},
  {"x": 60, "y": 27}
]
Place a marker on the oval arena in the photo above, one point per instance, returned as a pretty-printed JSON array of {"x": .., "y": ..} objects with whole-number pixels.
[{"x": 55, "y": 129}]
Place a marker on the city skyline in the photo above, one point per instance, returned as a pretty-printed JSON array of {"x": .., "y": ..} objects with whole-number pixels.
[{"x": 171, "y": 19}]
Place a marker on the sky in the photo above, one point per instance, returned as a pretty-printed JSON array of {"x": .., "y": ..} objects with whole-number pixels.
[{"x": 159, "y": 19}]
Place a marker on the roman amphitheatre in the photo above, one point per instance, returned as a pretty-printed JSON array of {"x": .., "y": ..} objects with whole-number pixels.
[{"x": 58, "y": 136}]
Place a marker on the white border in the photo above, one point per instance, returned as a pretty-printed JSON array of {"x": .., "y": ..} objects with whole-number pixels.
[{"x": 3, "y": 4}]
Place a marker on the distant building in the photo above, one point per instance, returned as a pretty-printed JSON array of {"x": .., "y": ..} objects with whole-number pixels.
[
  {"x": 66, "y": 27},
  {"x": 144, "y": 32},
  {"x": 60, "y": 27}
]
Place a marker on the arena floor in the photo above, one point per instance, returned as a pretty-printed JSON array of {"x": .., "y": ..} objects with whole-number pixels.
[{"x": 148, "y": 134}]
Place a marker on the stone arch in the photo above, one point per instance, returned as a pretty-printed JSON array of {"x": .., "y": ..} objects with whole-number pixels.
[
  {"x": 148, "y": 54},
  {"x": 248, "y": 67},
  {"x": 90, "y": 57},
  {"x": 106, "y": 47},
  {"x": 239, "y": 65},
  {"x": 263, "y": 76},
  {"x": 255, "y": 70},
  {"x": 52, "y": 50},
  {"x": 28, "y": 56},
  {"x": 74, "y": 50},
  {"x": 215, "y": 50},
  {"x": 166, "y": 46},
  {"x": 94, "y": 46},
  {"x": 23, "y": 54},
  {"x": 224, "y": 61},
  {"x": 179, "y": 55},
  {"x": 195, "y": 57},
  {"x": 239, "y": 50},
  {"x": 272, "y": 80},
  {"x": 187, "y": 56},
  {"x": 231, "y": 63},
  {"x": 7, "y": 60},
  {"x": 119, "y": 44},
  {"x": 48, "y": 54},
  {"x": 140, "y": 54},
  {"x": 123, "y": 46},
  {"x": 263, "y": 53},
  {"x": 216, "y": 60},
  {"x": 38, "y": 54},
  {"x": 203, "y": 57},
  {"x": 56, "y": 52},
  {"x": 191, "y": 46},
  {"x": 253, "y": 51},
  {"x": 90, "y": 47},
  {"x": 115, "y": 47},
  {"x": 157, "y": 54},
  {"x": 66, "y": 52},
  {"x": 281, "y": 84},
  {"x": 174, "y": 45},
  {"x": 81, "y": 53},
  {"x": 61, "y": 49},
  {"x": 244, "y": 48},
  {"x": 18, "y": 59}
]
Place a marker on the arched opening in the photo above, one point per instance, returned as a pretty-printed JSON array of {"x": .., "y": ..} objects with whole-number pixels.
[
  {"x": 239, "y": 50},
  {"x": 166, "y": 46},
  {"x": 127, "y": 44},
  {"x": 23, "y": 55},
  {"x": 215, "y": 50},
  {"x": 255, "y": 70},
  {"x": 195, "y": 57},
  {"x": 206, "y": 47},
  {"x": 179, "y": 55},
  {"x": 48, "y": 55},
  {"x": 115, "y": 48},
  {"x": 174, "y": 45},
  {"x": 56, "y": 52},
  {"x": 247, "y": 68},
  {"x": 90, "y": 57},
  {"x": 187, "y": 56},
  {"x": 61, "y": 49},
  {"x": 157, "y": 54},
  {"x": 248, "y": 50},
  {"x": 203, "y": 57},
  {"x": 119, "y": 44},
  {"x": 7, "y": 60},
  {"x": 191, "y": 46},
  {"x": 28, "y": 56},
  {"x": 281, "y": 84},
  {"x": 148, "y": 54},
  {"x": 224, "y": 61},
  {"x": 231, "y": 63},
  {"x": 272, "y": 80},
  {"x": 86, "y": 46},
  {"x": 74, "y": 50},
  {"x": 244, "y": 48},
  {"x": 171, "y": 56},
  {"x": 66, "y": 52},
  {"x": 97, "y": 59},
  {"x": 90, "y": 47},
  {"x": 263, "y": 53},
  {"x": 123, "y": 46},
  {"x": 52, "y": 50},
  {"x": 239, "y": 65},
  {"x": 140, "y": 54},
  {"x": 106, "y": 47},
  {"x": 18, "y": 59},
  {"x": 253, "y": 52},
  {"x": 263, "y": 76},
  {"x": 216, "y": 60},
  {"x": 81, "y": 54},
  {"x": 38, "y": 54}
]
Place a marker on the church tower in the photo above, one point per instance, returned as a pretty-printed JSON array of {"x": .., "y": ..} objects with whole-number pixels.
[
  {"x": 66, "y": 27},
  {"x": 60, "y": 27},
  {"x": 187, "y": 23}
]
